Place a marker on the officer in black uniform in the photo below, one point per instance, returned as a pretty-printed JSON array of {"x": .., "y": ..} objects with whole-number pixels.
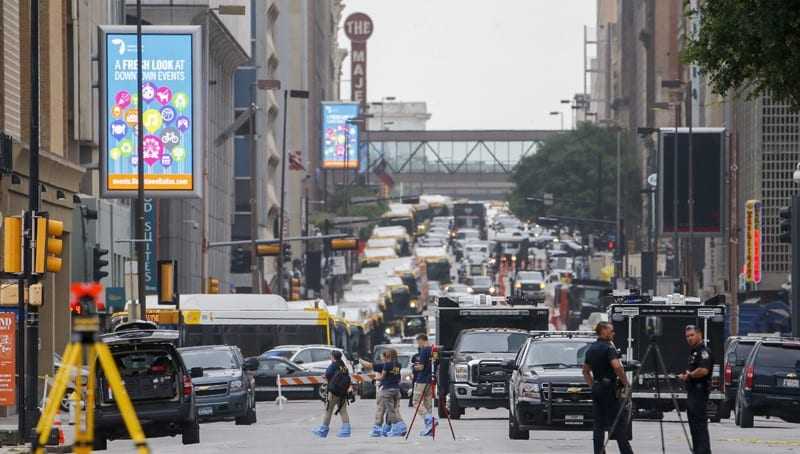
[
  {"x": 698, "y": 380},
  {"x": 603, "y": 371}
]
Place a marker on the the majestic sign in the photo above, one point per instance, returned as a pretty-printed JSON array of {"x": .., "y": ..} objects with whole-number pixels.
[{"x": 358, "y": 28}]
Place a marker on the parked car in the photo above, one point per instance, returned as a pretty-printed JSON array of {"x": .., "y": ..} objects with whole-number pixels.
[
  {"x": 226, "y": 389},
  {"x": 315, "y": 358},
  {"x": 157, "y": 381},
  {"x": 770, "y": 382},
  {"x": 737, "y": 349},
  {"x": 266, "y": 384},
  {"x": 404, "y": 354},
  {"x": 530, "y": 285}
]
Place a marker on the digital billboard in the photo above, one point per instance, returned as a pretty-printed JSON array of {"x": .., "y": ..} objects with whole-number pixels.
[
  {"x": 172, "y": 115},
  {"x": 340, "y": 144},
  {"x": 707, "y": 175}
]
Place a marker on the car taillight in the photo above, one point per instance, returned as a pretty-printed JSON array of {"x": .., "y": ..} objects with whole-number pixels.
[
  {"x": 728, "y": 374},
  {"x": 187, "y": 386},
  {"x": 749, "y": 373}
]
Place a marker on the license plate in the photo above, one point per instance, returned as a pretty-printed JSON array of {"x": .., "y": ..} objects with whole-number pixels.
[
  {"x": 498, "y": 389},
  {"x": 791, "y": 383},
  {"x": 573, "y": 419},
  {"x": 205, "y": 411}
]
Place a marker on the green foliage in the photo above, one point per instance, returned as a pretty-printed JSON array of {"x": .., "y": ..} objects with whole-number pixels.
[
  {"x": 579, "y": 169},
  {"x": 339, "y": 205},
  {"x": 750, "y": 46}
]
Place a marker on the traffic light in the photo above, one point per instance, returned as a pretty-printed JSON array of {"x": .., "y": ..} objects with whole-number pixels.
[
  {"x": 49, "y": 245},
  {"x": 785, "y": 235},
  {"x": 344, "y": 244},
  {"x": 294, "y": 289},
  {"x": 287, "y": 253},
  {"x": 268, "y": 250},
  {"x": 12, "y": 244},
  {"x": 213, "y": 285},
  {"x": 167, "y": 281},
  {"x": 99, "y": 263}
]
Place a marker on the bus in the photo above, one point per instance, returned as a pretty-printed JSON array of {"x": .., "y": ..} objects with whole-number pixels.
[
  {"x": 400, "y": 214},
  {"x": 254, "y": 323}
]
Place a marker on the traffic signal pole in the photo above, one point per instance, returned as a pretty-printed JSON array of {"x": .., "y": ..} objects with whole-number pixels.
[{"x": 795, "y": 248}]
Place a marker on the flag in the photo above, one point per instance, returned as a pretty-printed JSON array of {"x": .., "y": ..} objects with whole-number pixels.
[{"x": 380, "y": 171}]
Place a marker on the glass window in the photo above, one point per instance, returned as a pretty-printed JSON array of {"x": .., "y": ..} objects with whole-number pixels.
[
  {"x": 241, "y": 152},
  {"x": 242, "y": 194},
  {"x": 209, "y": 359},
  {"x": 243, "y": 79},
  {"x": 303, "y": 357},
  {"x": 319, "y": 355},
  {"x": 491, "y": 342},
  {"x": 557, "y": 354},
  {"x": 778, "y": 357},
  {"x": 241, "y": 227}
]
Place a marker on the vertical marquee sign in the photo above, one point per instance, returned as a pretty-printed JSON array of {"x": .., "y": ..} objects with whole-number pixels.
[
  {"x": 172, "y": 109},
  {"x": 753, "y": 218},
  {"x": 358, "y": 28}
]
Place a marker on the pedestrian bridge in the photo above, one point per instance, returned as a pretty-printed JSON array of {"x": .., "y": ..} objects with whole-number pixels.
[{"x": 472, "y": 164}]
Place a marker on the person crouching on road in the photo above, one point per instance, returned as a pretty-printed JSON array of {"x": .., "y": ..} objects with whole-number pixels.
[
  {"x": 388, "y": 398},
  {"x": 338, "y": 379},
  {"x": 423, "y": 385}
]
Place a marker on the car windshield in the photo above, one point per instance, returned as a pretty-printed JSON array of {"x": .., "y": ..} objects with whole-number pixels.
[
  {"x": 491, "y": 342},
  {"x": 743, "y": 350},
  {"x": 589, "y": 294},
  {"x": 481, "y": 281},
  {"x": 404, "y": 361},
  {"x": 458, "y": 289},
  {"x": 209, "y": 359},
  {"x": 557, "y": 354},
  {"x": 530, "y": 276},
  {"x": 779, "y": 357},
  {"x": 285, "y": 354}
]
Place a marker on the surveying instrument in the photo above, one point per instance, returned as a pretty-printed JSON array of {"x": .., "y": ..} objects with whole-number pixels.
[
  {"x": 432, "y": 387},
  {"x": 84, "y": 350}
]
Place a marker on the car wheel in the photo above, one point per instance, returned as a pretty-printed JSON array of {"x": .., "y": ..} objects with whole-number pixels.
[
  {"x": 737, "y": 418},
  {"x": 514, "y": 432},
  {"x": 746, "y": 417},
  {"x": 322, "y": 392},
  {"x": 441, "y": 407},
  {"x": 455, "y": 411},
  {"x": 100, "y": 442},
  {"x": 249, "y": 416},
  {"x": 191, "y": 433},
  {"x": 66, "y": 400}
]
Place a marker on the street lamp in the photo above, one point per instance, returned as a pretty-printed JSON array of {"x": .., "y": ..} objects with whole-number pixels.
[{"x": 561, "y": 114}]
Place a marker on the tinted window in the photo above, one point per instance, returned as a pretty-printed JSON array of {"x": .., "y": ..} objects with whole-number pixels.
[
  {"x": 743, "y": 351},
  {"x": 210, "y": 359},
  {"x": 286, "y": 354},
  {"x": 557, "y": 354},
  {"x": 775, "y": 356},
  {"x": 491, "y": 342}
]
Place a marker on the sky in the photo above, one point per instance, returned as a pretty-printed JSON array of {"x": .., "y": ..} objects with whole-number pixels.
[{"x": 488, "y": 64}]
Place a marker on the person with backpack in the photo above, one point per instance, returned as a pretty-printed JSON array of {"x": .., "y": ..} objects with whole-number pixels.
[
  {"x": 338, "y": 379},
  {"x": 388, "y": 397}
]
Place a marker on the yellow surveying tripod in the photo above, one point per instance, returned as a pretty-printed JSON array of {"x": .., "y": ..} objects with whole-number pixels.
[{"x": 85, "y": 350}]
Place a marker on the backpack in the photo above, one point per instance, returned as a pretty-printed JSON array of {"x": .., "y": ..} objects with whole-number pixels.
[{"x": 339, "y": 385}]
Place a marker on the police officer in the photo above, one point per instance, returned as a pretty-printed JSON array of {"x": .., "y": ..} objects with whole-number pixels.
[
  {"x": 602, "y": 370},
  {"x": 698, "y": 380}
]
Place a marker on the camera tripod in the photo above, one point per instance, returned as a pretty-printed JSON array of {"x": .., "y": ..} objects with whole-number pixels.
[
  {"x": 660, "y": 370},
  {"x": 432, "y": 387},
  {"x": 86, "y": 351}
]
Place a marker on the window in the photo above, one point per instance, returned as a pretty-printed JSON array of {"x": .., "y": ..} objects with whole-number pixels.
[
  {"x": 303, "y": 357},
  {"x": 241, "y": 153},
  {"x": 241, "y": 227},
  {"x": 242, "y": 195},
  {"x": 319, "y": 355}
]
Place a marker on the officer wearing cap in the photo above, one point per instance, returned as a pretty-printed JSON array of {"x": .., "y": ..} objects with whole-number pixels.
[
  {"x": 601, "y": 370},
  {"x": 698, "y": 382}
]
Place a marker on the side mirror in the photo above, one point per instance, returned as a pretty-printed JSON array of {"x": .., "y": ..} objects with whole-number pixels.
[
  {"x": 196, "y": 372},
  {"x": 251, "y": 364},
  {"x": 299, "y": 361}
]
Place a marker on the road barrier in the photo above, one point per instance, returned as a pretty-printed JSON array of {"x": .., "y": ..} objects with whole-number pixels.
[{"x": 320, "y": 379}]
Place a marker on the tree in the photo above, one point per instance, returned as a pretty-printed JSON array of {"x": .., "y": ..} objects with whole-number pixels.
[
  {"x": 579, "y": 169},
  {"x": 749, "y": 46}
]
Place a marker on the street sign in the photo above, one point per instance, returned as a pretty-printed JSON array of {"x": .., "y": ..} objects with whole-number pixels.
[
  {"x": 753, "y": 216},
  {"x": 172, "y": 111},
  {"x": 8, "y": 355},
  {"x": 652, "y": 179},
  {"x": 115, "y": 299},
  {"x": 339, "y": 267}
]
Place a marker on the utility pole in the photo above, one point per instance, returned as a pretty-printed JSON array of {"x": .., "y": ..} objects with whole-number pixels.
[
  {"x": 283, "y": 190},
  {"x": 140, "y": 235},
  {"x": 254, "y": 218},
  {"x": 689, "y": 252},
  {"x": 675, "y": 250},
  {"x": 618, "y": 243}
]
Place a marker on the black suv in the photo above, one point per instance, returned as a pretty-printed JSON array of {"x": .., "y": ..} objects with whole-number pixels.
[
  {"x": 547, "y": 389},
  {"x": 157, "y": 381},
  {"x": 770, "y": 382},
  {"x": 478, "y": 376},
  {"x": 227, "y": 388},
  {"x": 737, "y": 349}
]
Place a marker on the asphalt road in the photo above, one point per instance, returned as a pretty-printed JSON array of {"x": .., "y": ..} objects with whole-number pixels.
[{"x": 288, "y": 430}]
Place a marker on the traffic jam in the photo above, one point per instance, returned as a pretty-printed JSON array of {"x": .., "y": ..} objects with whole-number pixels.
[{"x": 454, "y": 309}]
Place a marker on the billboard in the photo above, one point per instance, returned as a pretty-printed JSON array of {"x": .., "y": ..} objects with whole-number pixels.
[
  {"x": 340, "y": 147},
  {"x": 358, "y": 28},
  {"x": 8, "y": 358},
  {"x": 172, "y": 109},
  {"x": 708, "y": 155},
  {"x": 754, "y": 215}
]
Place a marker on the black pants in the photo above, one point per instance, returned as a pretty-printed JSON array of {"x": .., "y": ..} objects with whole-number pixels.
[
  {"x": 605, "y": 407},
  {"x": 696, "y": 400}
]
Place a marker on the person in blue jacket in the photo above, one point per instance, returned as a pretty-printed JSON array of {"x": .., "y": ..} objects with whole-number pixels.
[
  {"x": 423, "y": 385},
  {"x": 335, "y": 403},
  {"x": 388, "y": 397}
]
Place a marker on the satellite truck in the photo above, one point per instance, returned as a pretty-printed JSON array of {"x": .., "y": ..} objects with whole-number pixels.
[
  {"x": 456, "y": 315},
  {"x": 642, "y": 322}
]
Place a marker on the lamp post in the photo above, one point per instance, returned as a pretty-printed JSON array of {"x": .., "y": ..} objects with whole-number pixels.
[{"x": 561, "y": 114}]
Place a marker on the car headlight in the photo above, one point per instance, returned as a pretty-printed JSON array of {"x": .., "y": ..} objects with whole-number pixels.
[
  {"x": 470, "y": 290},
  {"x": 518, "y": 285},
  {"x": 541, "y": 285},
  {"x": 236, "y": 385},
  {"x": 492, "y": 290},
  {"x": 530, "y": 391},
  {"x": 407, "y": 377},
  {"x": 461, "y": 372}
]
